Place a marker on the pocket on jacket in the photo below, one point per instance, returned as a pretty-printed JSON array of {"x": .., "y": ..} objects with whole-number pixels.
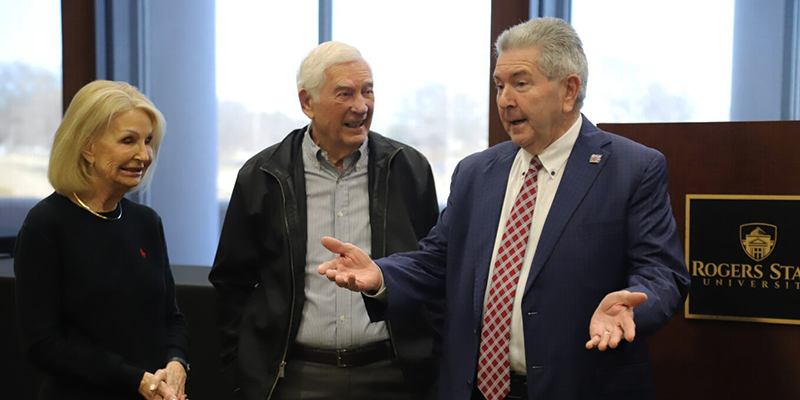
[{"x": 254, "y": 313}]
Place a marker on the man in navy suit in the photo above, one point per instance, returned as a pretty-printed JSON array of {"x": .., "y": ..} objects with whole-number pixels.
[{"x": 547, "y": 244}]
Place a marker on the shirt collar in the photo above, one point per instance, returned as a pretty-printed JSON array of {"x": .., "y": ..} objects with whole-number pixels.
[
  {"x": 554, "y": 157},
  {"x": 315, "y": 153}
]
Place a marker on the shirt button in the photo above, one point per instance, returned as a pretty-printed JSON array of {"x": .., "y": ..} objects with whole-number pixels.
[
  {"x": 340, "y": 214},
  {"x": 342, "y": 318},
  {"x": 339, "y": 181}
]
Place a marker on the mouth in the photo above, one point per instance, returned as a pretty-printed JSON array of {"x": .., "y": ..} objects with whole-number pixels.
[
  {"x": 518, "y": 121},
  {"x": 134, "y": 171},
  {"x": 357, "y": 124}
]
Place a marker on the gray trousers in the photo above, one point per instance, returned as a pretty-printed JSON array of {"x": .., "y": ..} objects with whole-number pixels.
[{"x": 311, "y": 381}]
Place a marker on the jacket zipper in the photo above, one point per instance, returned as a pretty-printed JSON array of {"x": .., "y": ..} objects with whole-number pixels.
[
  {"x": 386, "y": 196},
  {"x": 385, "y": 227},
  {"x": 282, "y": 367}
]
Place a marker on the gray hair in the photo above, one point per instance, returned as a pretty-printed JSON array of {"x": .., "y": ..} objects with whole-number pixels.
[
  {"x": 311, "y": 74},
  {"x": 561, "y": 51}
]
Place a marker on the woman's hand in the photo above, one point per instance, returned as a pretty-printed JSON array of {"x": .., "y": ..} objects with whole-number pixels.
[
  {"x": 154, "y": 386},
  {"x": 176, "y": 378}
]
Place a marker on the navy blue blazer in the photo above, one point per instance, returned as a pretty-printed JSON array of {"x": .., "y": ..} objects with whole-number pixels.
[{"x": 610, "y": 228}]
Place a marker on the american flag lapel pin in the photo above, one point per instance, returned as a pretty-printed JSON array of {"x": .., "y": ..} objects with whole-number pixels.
[{"x": 595, "y": 158}]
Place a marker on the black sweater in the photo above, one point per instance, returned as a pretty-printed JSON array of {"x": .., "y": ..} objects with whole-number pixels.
[{"x": 95, "y": 299}]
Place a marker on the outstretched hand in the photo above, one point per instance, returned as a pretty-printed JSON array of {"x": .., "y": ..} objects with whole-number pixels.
[
  {"x": 613, "y": 320},
  {"x": 352, "y": 268}
]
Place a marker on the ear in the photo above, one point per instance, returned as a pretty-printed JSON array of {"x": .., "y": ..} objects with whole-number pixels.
[
  {"x": 307, "y": 103},
  {"x": 572, "y": 85},
  {"x": 88, "y": 151}
]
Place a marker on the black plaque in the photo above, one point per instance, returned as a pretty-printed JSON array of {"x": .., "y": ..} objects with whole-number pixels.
[{"x": 743, "y": 253}]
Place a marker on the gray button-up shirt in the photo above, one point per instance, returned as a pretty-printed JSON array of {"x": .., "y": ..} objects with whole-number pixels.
[{"x": 337, "y": 205}]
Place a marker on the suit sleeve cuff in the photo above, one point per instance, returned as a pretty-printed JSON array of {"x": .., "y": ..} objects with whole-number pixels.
[{"x": 381, "y": 293}]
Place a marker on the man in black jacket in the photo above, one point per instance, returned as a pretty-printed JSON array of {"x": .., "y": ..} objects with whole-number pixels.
[{"x": 286, "y": 332}]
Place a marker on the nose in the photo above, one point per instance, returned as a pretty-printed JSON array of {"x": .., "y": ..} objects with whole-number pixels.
[
  {"x": 144, "y": 153},
  {"x": 359, "y": 104},
  {"x": 505, "y": 99}
]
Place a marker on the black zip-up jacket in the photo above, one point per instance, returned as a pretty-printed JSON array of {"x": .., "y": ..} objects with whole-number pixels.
[{"x": 259, "y": 270}]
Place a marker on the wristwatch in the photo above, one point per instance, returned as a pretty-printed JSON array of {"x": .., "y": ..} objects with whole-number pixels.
[{"x": 183, "y": 362}]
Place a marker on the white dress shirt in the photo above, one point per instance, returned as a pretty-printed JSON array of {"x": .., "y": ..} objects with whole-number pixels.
[{"x": 553, "y": 160}]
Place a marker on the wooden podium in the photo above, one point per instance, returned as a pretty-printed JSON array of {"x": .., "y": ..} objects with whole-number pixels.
[{"x": 707, "y": 359}]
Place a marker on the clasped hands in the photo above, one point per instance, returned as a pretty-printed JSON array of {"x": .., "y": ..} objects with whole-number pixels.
[
  {"x": 611, "y": 322},
  {"x": 166, "y": 384}
]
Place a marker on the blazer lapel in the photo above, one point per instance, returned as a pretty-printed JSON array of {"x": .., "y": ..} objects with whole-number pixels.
[
  {"x": 579, "y": 175},
  {"x": 492, "y": 196}
]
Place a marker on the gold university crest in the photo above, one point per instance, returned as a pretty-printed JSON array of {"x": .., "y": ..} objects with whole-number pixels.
[{"x": 758, "y": 239}]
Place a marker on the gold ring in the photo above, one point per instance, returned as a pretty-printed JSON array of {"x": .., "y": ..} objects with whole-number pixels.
[{"x": 607, "y": 332}]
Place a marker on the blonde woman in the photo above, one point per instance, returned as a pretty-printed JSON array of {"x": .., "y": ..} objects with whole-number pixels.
[{"x": 95, "y": 294}]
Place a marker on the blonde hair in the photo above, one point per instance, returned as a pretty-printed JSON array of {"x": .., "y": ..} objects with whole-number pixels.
[{"x": 88, "y": 116}]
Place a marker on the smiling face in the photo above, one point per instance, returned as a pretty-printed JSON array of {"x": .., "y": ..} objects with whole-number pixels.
[
  {"x": 342, "y": 113},
  {"x": 122, "y": 153},
  {"x": 534, "y": 110}
]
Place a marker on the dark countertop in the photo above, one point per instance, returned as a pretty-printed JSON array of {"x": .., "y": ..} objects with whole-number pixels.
[{"x": 183, "y": 274}]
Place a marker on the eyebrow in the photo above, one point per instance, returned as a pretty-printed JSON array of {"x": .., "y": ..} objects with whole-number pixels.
[
  {"x": 341, "y": 86},
  {"x": 515, "y": 74},
  {"x": 134, "y": 132}
]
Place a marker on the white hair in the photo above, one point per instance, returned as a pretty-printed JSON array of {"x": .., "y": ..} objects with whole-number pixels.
[
  {"x": 561, "y": 51},
  {"x": 311, "y": 74}
]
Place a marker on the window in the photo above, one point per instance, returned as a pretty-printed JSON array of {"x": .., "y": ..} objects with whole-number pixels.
[
  {"x": 30, "y": 94},
  {"x": 431, "y": 73},
  {"x": 431, "y": 89},
  {"x": 259, "y": 48},
  {"x": 30, "y": 103},
  {"x": 655, "y": 61}
]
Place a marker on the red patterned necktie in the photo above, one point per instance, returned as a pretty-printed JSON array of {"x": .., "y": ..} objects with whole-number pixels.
[{"x": 494, "y": 372}]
